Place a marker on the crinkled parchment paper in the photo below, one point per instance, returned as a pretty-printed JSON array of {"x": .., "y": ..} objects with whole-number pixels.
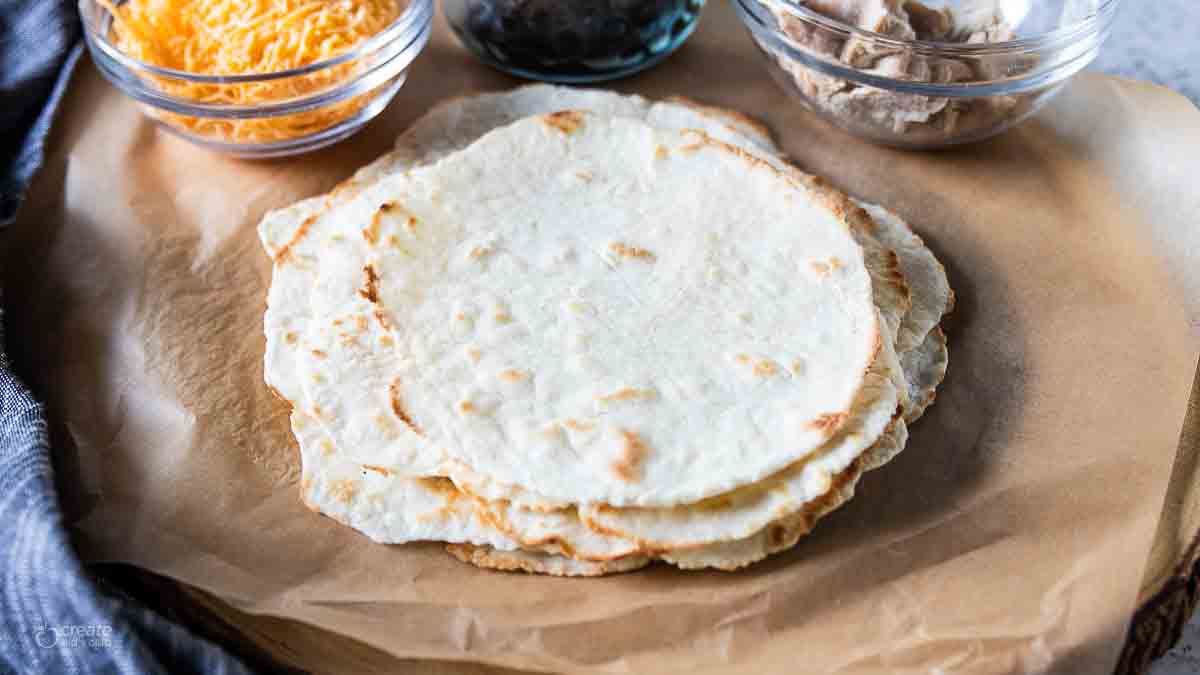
[{"x": 1011, "y": 535}]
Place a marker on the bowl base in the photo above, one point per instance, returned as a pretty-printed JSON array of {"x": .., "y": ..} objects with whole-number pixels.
[{"x": 338, "y": 132}]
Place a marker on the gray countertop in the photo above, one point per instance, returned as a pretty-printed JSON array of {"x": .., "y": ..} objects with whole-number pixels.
[
  {"x": 1156, "y": 40},
  {"x": 1185, "y": 658}
]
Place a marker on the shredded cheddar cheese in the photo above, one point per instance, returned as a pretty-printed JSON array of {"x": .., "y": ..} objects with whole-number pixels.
[{"x": 239, "y": 37}]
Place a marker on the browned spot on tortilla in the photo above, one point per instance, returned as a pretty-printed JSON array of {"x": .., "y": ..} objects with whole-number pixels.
[
  {"x": 474, "y": 354},
  {"x": 392, "y": 240},
  {"x": 360, "y": 322},
  {"x": 798, "y": 366},
  {"x": 343, "y": 490},
  {"x": 286, "y": 249},
  {"x": 440, "y": 485},
  {"x": 383, "y": 422},
  {"x": 382, "y": 317},
  {"x": 460, "y": 316},
  {"x": 627, "y": 251},
  {"x": 777, "y": 534},
  {"x": 828, "y": 422},
  {"x": 820, "y": 268},
  {"x": 327, "y": 448},
  {"x": 386, "y": 340},
  {"x": 370, "y": 289},
  {"x": 633, "y": 451},
  {"x": 715, "y": 503},
  {"x": 836, "y": 263},
  {"x": 479, "y": 252},
  {"x": 291, "y": 338},
  {"x": 493, "y": 513},
  {"x": 337, "y": 322},
  {"x": 858, "y": 219},
  {"x": 503, "y": 317},
  {"x": 601, "y": 528},
  {"x": 513, "y": 375},
  {"x": 766, "y": 368},
  {"x": 660, "y": 152},
  {"x": 317, "y": 411},
  {"x": 318, "y": 378},
  {"x": 759, "y": 367},
  {"x": 691, "y": 147},
  {"x": 466, "y": 407},
  {"x": 377, "y": 469},
  {"x": 566, "y": 121},
  {"x": 628, "y": 394},
  {"x": 585, "y": 176},
  {"x": 348, "y": 187},
  {"x": 319, "y": 354},
  {"x": 371, "y": 231},
  {"x": 281, "y": 397},
  {"x": 398, "y": 407},
  {"x": 578, "y": 425}
]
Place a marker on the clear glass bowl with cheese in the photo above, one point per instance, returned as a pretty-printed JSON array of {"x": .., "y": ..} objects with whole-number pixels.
[
  {"x": 258, "y": 78},
  {"x": 928, "y": 73}
]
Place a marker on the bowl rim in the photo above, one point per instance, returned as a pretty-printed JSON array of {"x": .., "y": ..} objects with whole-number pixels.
[
  {"x": 412, "y": 20},
  {"x": 395, "y": 63},
  {"x": 1077, "y": 46},
  {"x": 291, "y": 146},
  {"x": 1103, "y": 8}
]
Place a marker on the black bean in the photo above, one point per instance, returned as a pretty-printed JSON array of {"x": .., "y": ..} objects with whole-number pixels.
[{"x": 614, "y": 28}]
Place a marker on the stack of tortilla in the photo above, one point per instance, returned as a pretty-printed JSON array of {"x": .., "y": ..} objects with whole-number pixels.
[{"x": 573, "y": 332}]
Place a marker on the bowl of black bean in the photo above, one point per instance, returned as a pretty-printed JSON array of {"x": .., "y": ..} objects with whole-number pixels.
[{"x": 572, "y": 41}]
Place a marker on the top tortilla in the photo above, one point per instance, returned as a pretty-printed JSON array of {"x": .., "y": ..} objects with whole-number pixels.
[{"x": 592, "y": 309}]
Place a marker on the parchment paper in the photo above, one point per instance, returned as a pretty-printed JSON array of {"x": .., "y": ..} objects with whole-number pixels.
[{"x": 1010, "y": 536}]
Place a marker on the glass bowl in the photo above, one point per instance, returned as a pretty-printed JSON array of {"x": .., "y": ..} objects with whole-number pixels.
[
  {"x": 303, "y": 108},
  {"x": 572, "y": 41},
  {"x": 964, "y": 86}
]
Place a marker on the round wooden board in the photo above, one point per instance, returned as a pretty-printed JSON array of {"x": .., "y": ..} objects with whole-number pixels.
[
  {"x": 1170, "y": 589},
  {"x": 1171, "y": 584}
]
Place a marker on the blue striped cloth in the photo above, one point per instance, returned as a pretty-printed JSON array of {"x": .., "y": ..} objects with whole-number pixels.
[{"x": 53, "y": 617}]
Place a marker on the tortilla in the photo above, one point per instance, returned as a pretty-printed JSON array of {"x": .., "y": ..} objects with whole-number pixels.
[
  {"x": 382, "y": 505},
  {"x": 533, "y": 562},
  {"x": 571, "y": 390},
  {"x": 748, "y": 134}
]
